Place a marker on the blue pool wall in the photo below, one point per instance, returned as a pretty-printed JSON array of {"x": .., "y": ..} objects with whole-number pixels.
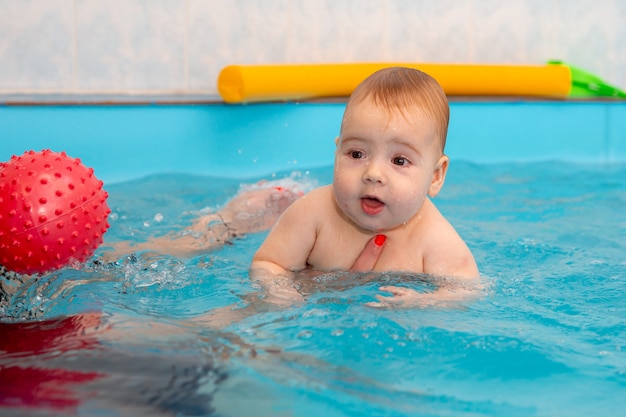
[{"x": 123, "y": 142}]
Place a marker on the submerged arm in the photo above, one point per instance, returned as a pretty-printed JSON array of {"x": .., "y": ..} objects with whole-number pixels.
[{"x": 285, "y": 251}]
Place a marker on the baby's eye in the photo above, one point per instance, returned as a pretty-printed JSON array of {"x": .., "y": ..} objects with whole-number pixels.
[
  {"x": 356, "y": 154},
  {"x": 400, "y": 160}
]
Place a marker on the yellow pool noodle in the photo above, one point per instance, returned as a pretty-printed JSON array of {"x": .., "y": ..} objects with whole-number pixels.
[{"x": 254, "y": 83}]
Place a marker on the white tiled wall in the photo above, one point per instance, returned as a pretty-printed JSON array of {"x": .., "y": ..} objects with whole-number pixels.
[{"x": 179, "y": 46}]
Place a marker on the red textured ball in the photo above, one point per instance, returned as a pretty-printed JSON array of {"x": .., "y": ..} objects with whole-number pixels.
[{"x": 53, "y": 210}]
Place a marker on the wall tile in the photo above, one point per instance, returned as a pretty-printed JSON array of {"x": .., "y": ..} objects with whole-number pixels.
[
  {"x": 130, "y": 44},
  {"x": 592, "y": 34},
  {"x": 224, "y": 32},
  {"x": 174, "y": 46},
  {"x": 515, "y": 31},
  {"x": 429, "y": 31},
  {"x": 336, "y": 31},
  {"x": 36, "y": 44}
]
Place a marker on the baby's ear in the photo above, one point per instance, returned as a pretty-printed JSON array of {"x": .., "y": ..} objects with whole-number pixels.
[{"x": 439, "y": 176}]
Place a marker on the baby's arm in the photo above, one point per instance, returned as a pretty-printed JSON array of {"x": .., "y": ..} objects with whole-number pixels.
[{"x": 285, "y": 251}]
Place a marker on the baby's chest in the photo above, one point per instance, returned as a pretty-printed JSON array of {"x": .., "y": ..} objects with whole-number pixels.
[
  {"x": 406, "y": 258},
  {"x": 332, "y": 252}
]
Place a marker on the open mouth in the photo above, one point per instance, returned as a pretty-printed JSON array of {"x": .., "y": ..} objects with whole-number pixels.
[{"x": 371, "y": 205}]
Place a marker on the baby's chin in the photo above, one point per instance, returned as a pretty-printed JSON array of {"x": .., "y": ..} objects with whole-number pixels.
[
  {"x": 376, "y": 227},
  {"x": 376, "y": 224}
]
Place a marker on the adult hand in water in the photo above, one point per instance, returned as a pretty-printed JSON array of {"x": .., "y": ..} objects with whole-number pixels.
[{"x": 368, "y": 258}]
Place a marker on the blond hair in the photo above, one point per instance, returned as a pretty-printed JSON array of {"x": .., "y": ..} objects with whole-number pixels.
[{"x": 400, "y": 88}]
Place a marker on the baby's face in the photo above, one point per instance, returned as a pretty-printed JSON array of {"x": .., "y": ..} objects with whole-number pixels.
[{"x": 385, "y": 165}]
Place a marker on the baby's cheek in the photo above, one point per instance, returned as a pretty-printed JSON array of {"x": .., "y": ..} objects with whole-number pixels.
[
  {"x": 413, "y": 203},
  {"x": 342, "y": 195},
  {"x": 418, "y": 199},
  {"x": 339, "y": 186}
]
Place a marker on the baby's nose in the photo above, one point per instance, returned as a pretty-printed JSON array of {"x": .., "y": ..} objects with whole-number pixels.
[{"x": 374, "y": 172}]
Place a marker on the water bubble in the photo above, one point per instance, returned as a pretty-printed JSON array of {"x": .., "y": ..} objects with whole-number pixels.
[{"x": 305, "y": 334}]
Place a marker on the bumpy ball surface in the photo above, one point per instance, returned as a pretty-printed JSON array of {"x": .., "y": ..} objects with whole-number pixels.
[{"x": 53, "y": 210}]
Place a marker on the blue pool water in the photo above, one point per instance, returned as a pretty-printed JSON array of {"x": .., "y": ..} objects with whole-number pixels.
[{"x": 547, "y": 337}]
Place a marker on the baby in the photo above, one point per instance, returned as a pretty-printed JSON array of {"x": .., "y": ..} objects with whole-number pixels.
[
  {"x": 376, "y": 216},
  {"x": 389, "y": 159}
]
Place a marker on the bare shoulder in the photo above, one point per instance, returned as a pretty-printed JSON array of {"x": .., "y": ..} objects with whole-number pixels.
[
  {"x": 313, "y": 204},
  {"x": 446, "y": 252},
  {"x": 294, "y": 235},
  {"x": 319, "y": 196}
]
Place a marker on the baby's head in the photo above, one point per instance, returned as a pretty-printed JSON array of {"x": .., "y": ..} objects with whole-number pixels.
[
  {"x": 389, "y": 155},
  {"x": 404, "y": 89}
]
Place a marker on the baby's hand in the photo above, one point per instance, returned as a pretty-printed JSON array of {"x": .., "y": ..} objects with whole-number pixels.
[
  {"x": 284, "y": 296},
  {"x": 401, "y": 297},
  {"x": 444, "y": 296}
]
